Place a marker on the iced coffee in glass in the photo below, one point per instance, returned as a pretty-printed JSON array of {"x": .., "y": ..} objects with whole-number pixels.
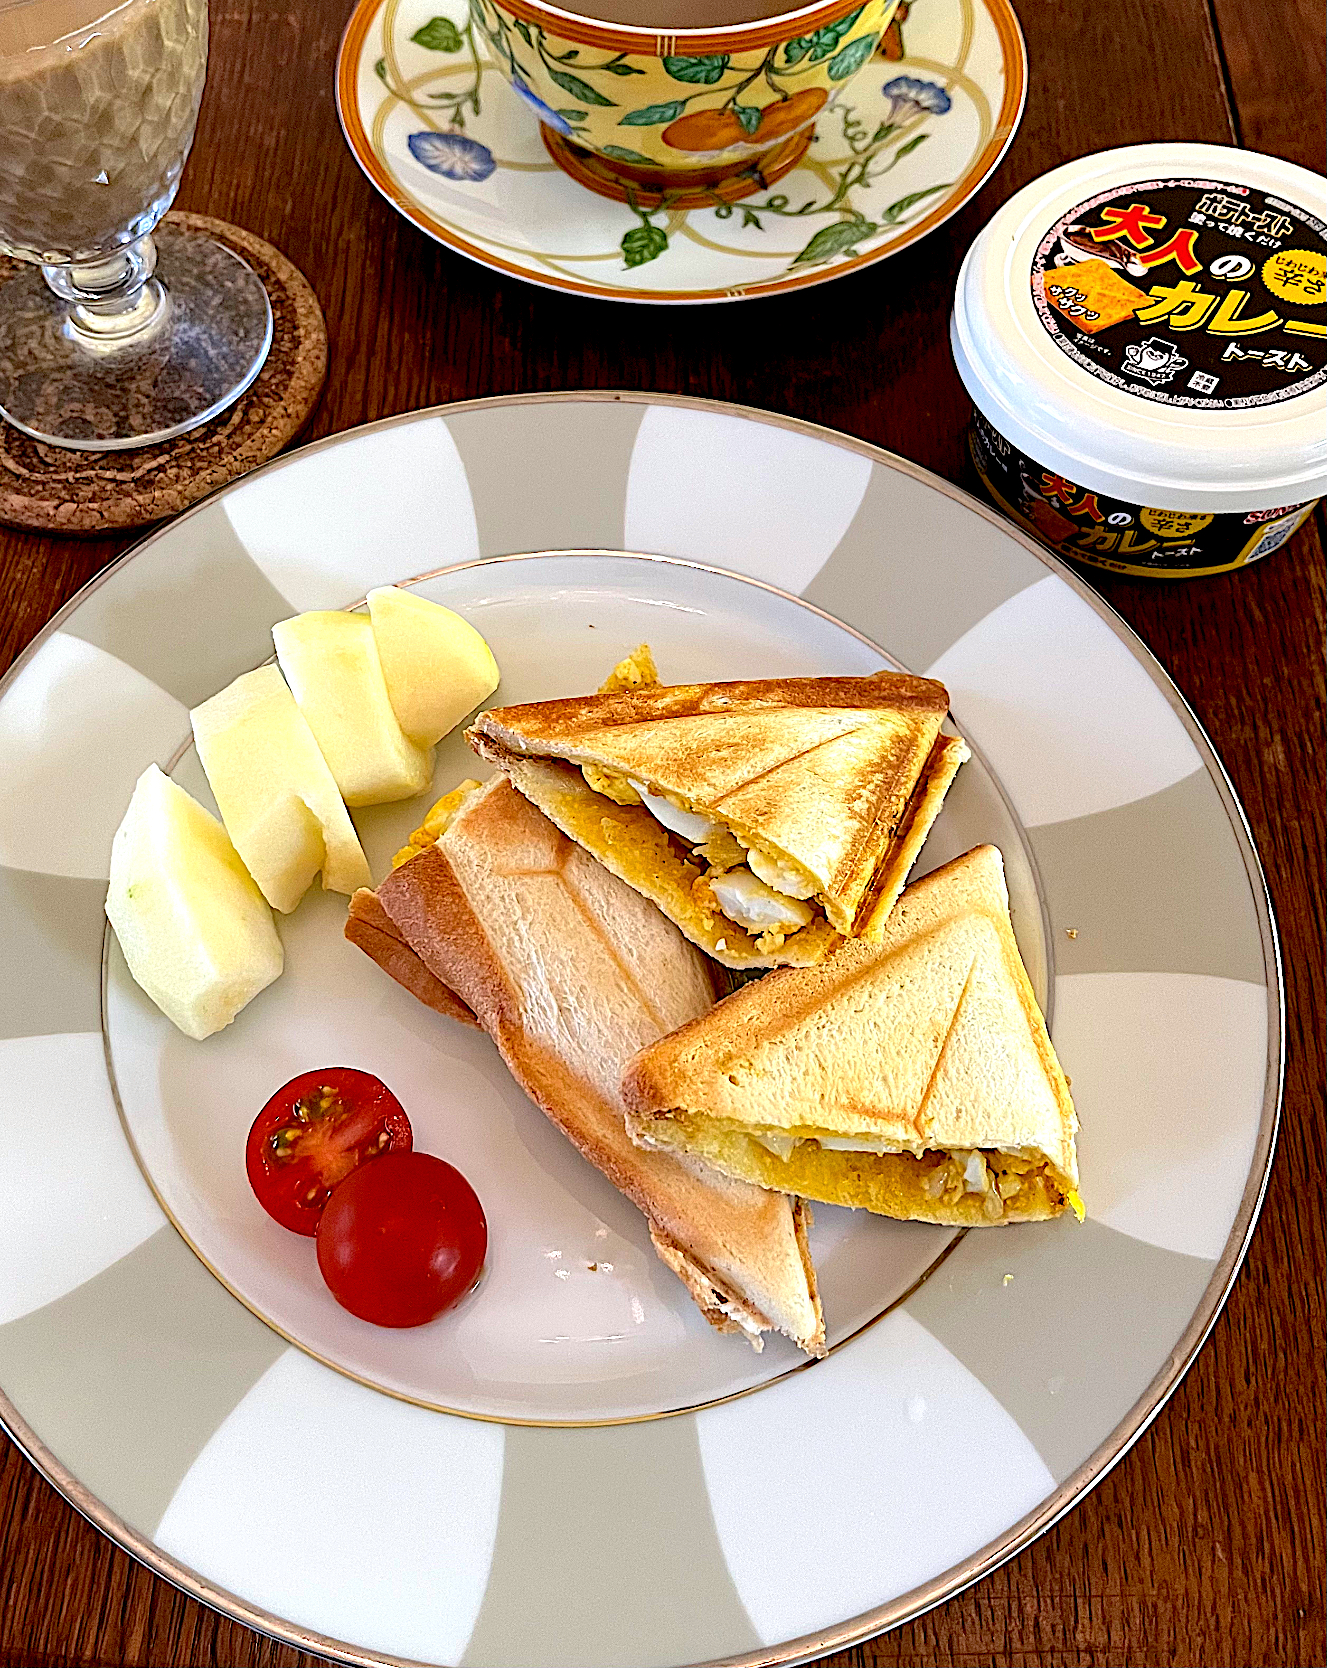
[{"x": 112, "y": 333}]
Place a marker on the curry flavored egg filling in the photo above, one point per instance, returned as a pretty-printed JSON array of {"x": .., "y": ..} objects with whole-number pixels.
[
  {"x": 733, "y": 881},
  {"x": 974, "y": 1186}
]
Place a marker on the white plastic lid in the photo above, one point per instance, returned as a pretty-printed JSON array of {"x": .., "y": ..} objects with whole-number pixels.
[{"x": 1238, "y": 432}]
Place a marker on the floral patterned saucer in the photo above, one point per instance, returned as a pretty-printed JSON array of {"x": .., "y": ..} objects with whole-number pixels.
[{"x": 459, "y": 151}]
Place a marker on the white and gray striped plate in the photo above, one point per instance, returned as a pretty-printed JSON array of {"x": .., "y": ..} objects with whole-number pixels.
[{"x": 571, "y": 1469}]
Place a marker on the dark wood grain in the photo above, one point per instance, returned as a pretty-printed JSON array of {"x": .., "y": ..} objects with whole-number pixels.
[
  {"x": 1274, "y": 111},
  {"x": 1205, "y": 1546}
]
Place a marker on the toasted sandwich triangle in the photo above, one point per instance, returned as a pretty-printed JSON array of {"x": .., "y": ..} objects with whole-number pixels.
[
  {"x": 822, "y": 1050},
  {"x": 914, "y": 1052},
  {"x": 569, "y": 970},
  {"x": 840, "y": 775}
]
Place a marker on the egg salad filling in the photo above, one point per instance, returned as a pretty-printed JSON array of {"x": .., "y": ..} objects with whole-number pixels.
[
  {"x": 958, "y": 1185},
  {"x": 993, "y": 1176},
  {"x": 436, "y": 823},
  {"x": 763, "y": 892}
]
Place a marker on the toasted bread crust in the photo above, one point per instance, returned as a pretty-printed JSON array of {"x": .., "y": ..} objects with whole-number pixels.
[
  {"x": 724, "y": 1312},
  {"x": 722, "y": 1307},
  {"x": 568, "y": 718},
  {"x": 922, "y": 810},
  {"x": 737, "y": 1240},
  {"x": 371, "y": 929}
]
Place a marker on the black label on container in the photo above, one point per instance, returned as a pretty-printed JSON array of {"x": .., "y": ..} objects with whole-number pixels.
[
  {"x": 1189, "y": 292},
  {"x": 1109, "y": 533}
]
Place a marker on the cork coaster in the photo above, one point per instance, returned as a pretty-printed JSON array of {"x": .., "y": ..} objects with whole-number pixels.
[{"x": 54, "y": 490}]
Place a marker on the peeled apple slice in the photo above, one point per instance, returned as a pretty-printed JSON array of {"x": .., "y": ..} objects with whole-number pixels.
[
  {"x": 275, "y": 793},
  {"x": 193, "y": 926},
  {"x": 438, "y": 668},
  {"x": 331, "y": 663}
]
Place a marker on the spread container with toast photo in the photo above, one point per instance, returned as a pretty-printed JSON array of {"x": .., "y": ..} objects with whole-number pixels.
[{"x": 1143, "y": 334}]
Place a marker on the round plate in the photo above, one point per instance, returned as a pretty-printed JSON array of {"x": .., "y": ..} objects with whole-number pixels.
[
  {"x": 577, "y": 1321},
  {"x": 903, "y": 148},
  {"x": 932, "y": 1444}
]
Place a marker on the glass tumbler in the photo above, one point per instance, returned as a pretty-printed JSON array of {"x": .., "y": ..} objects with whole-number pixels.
[{"x": 112, "y": 334}]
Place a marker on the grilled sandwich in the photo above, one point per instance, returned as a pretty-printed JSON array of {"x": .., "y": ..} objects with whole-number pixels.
[
  {"x": 769, "y": 819},
  {"x": 570, "y": 972},
  {"x": 911, "y": 1075}
]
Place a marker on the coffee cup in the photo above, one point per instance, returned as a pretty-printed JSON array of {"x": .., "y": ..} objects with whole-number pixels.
[{"x": 705, "y": 103}]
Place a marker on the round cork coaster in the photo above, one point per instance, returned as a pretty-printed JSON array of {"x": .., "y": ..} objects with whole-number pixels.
[{"x": 50, "y": 489}]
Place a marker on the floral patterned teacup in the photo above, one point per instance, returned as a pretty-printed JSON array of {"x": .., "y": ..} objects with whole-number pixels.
[{"x": 683, "y": 118}]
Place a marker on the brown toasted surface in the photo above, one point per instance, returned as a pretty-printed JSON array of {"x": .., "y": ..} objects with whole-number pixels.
[
  {"x": 566, "y": 719},
  {"x": 569, "y": 971},
  {"x": 724, "y": 1311},
  {"x": 821, "y": 770},
  {"x": 915, "y": 824},
  {"x": 928, "y": 1038},
  {"x": 369, "y": 927}
]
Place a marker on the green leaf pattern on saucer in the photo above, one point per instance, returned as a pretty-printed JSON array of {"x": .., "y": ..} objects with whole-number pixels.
[
  {"x": 439, "y": 34},
  {"x": 642, "y": 243}
]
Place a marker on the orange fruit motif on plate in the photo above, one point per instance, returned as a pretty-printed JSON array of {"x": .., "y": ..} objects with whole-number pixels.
[
  {"x": 705, "y": 130},
  {"x": 788, "y": 114}
]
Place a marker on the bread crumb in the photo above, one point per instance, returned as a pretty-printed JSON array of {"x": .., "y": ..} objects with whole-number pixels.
[{"x": 1071, "y": 932}]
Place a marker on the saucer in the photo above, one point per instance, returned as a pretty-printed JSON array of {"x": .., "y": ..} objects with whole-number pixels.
[{"x": 447, "y": 140}]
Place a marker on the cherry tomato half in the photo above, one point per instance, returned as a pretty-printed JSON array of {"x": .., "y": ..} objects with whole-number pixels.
[
  {"x": 402, "y": 1239},
  {"x": 313, "y": 1133}
]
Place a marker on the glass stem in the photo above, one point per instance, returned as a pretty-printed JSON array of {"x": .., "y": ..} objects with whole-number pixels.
[{"x": 112, "y": 299}]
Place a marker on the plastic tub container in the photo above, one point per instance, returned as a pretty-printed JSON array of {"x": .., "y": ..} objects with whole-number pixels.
[{"x": 1143, "y": 334}]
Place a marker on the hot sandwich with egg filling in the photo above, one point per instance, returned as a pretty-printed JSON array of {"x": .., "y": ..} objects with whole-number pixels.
[
  {"x": 912, "y": 1076},
  {"x": 769, "y": 819}
]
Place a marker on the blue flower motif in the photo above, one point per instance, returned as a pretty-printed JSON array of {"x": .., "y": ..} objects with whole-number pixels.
[
  {"x": 908, "y": 97},
  {"x": 550, "y": 118},
  {"x": 453, "y": 155}
]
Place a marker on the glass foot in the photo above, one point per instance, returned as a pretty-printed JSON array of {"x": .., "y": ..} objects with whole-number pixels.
[{"x": 193, "y": 344}]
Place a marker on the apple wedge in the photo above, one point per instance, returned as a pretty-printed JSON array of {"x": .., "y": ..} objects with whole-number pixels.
[
  {"x": 275, "y": 793},
  {"x": 193, "y": 926},
  {"x": 331, "y": 663},
  {"x": 437, "y": 666}
]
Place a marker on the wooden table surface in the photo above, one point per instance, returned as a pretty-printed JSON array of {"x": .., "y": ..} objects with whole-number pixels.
[{"x": 1205, "y": 1545}]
